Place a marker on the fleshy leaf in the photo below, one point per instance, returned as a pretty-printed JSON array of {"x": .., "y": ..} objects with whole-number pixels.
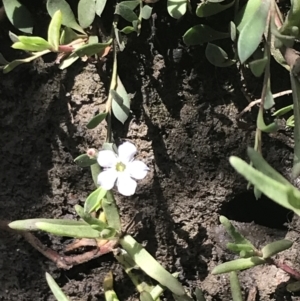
[
  {"x": 207, "y": 8},
  {"x": 217, "y": 56},
  {"x": 150, "y": 266},
  {"x": 251, "y": 34},
  {"x": 128, "y": 30},
  {"x": 200, "y": 34},
  {"x": 12, "y": 65},
  {"x": 84, "y": 160},
  {"x": 146, "y": 12},
  {"x": 238, "y": 265},
  {"x": 31, "y": 224},
  {"x": 125, "y": 10},
  {"x": 100, "y": 5},
  {"x": 92, "y": 49},
  {"x": 275, "y": 247},
  {"x": 121, "y": 102},
  {"x": 86, "y": 12},
  {"x": 54, "y": 30},
  {"x": 235, "y": 287},
  {"x": 56, "y": 290},
  {"x": 95, "y": 121},
  {"x": 68, "y": 18},
  {"x": 93, "y": 201},
  {"x": 68, "y": 61},
  {"x": 260, "y": 123},
  {"x": 93, "y": 222},
  {"x": 18, "y": 15},
  {"x": 283, "y": 111},
  {"x": 285, "y": 195},
  {"x": 258, "y": 66},
  {"x": 64, "y": 229},
  {"x": 68, "y": 35},
  {"x": 177, "y": 8},
  {"x": 245, "y": 13},
  {"x": 111, "y": 211},
  {"x": 296, "y": 102},
  {"x": 237, "y": 237}
]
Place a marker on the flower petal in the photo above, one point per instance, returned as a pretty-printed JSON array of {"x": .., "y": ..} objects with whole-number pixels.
[
  {"x": 126, "y": 185},
  {"x": 126, "y": 152},
  {"x": 107, "y": 178},
  {"x": 137, "y": 169},
  {"x": 107, "y": 158}
]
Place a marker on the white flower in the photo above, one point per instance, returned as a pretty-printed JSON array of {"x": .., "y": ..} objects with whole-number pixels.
[{"x": 122, "y": 168}]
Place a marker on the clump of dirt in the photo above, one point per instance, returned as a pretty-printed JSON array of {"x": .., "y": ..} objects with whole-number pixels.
[{"x": 183, "y": 123}]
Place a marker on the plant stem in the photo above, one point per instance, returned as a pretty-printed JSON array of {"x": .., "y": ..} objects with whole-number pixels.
[{"x": 113, "y": 85}]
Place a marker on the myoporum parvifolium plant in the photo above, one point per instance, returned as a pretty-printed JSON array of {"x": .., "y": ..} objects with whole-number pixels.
[{"x": 257, "y": 32}]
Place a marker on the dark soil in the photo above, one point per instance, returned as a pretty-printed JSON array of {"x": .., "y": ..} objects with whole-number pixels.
[{"x": 183, "y": 122}]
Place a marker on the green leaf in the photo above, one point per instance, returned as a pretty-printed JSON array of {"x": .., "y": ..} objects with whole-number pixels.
[
  {"x": 177, "y": 8},
  {"x": 237, "y": 248},
  {"x": 292, "y": 18},
  {"x": 207, "y": 9},
  {"x": 93, "y": 201},
  {"x": 54, "y": 30},
  {"x": 128, "y": 30},
  {"x": 235, "y": 287},
  {"x": 95, "y": 170},
  {"x": 84, "y": 160},
  {"x": 108, "y": 233},
  {"x": 200, "y": 34},
  {"x": 293, "y": 287},
  {"x": 30, "y": 224},
  {"x": 257, "y": 67},
  {"x": 111, "y": 211},
  {"x": 100, "y": 5},
  {"x": 12, "y": 65},
  {"x": 146, "y": 12},
  {"x": 125, "y": 10},
  {"x": 95, "y": 121},
  {"x": 3, "y": 61},
  {"x": 93, "y": 39},
  {"x": 64, "y": 229},
  {"x": 68, "y": 35},
  {"x": 120, "y": 102},
  {"x": 237, "y": 237},
  {"x": 251, "y": 34},
  {"x": 275, "y": 247},
  {"x": 145, "y": 296},
  {"x": 232, "y": 30},
  {"x": 246, "y": 13},
  {"x": 27, "y": 47},
  {"x": 284, "y": 195},
  {"x": 68, "y": 18},
  {"x": 283, "y": 111},
  {"x": 199, "y": 294},
  {"x": 291, "y": 121},
  {"x": 238, "y": 265},
  {"x": 260, "y": 123},
  {"x": 68, "y": 61},
  {"x": 18, "y": 15},
  {"x": 93, "y": 222},
  {"x": 150, "y": 266},
  {"x": 56, "y": 290},
  {"x": 296, "y": 101},
  {"x": 217, "y": 56},
  {"x": 92, "y": 49},
  {"x": 86, "y": 12}
]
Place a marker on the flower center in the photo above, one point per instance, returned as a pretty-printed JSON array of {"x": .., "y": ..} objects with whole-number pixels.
[{"x": 120, "y": 166}]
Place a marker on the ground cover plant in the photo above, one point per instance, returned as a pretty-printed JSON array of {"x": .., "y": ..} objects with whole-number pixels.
[{"x": 257, "y": 31}]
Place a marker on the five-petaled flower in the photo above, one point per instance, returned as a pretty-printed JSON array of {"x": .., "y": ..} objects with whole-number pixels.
[{"x": 121, "y": 168}]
